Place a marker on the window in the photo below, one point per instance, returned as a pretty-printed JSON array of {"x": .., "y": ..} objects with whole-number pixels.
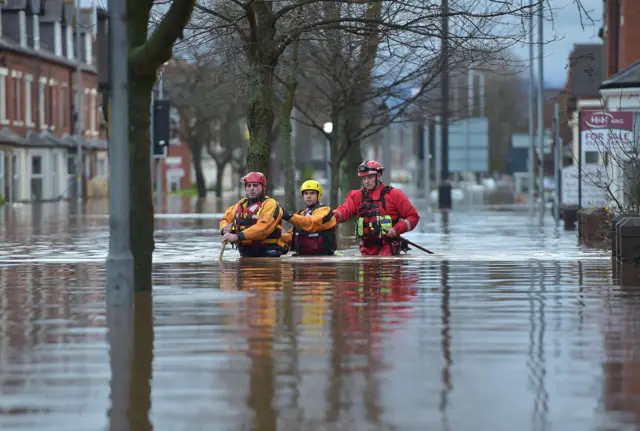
[
  {"x": 54, "y": 170},
  {"x": 15, "y": 169},
  {"x": 86, "y": 123},
  {"x": 591, "y": 157},
  {"x": 28, "y": 113},
  {"x": 3, "y": 96},
  {"x": 36, "y": 178},
  {"x": 2, "y": 189},
  {"x": 71, "y": 165},
  {"x": 93, "y": 125},
  {"x": 102, "y": 168},
  {"x": 52, "y": 101},
  {"x": 64, "y": 107},
  {"x": 42, "y": 103},
  {"x": 16, "y": 78},
  {"x": 36, "y": 165},
  {"x": 22, "y": 23}
]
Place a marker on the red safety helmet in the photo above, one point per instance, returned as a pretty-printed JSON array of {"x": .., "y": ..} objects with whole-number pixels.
[
  {"x": 255, "y": 177},
  {"x": 370, "y": 167}
]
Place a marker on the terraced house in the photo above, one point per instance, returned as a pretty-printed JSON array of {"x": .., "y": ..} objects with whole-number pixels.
[{"x": 39, "y": 101}]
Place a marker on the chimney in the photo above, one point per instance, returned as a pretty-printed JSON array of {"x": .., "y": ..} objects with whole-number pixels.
[{"x": 611, "y": 36}]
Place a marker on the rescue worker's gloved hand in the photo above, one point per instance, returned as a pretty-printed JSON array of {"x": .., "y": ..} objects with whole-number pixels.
[{"x": 286, "y": 215}]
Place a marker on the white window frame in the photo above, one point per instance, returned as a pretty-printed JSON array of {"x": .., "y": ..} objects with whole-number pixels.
[
  {"x": 102, "y": 167},
  {"x": 28, "y": 86},
  {"x": 86, "y": 123},
  {"x": 92, "y": 104},
  {"x": 64, "y": 91},
  {"x": 54, "y": 104},
  {"x": 42, "y": 102},
  {"x": 18, "y": 119},
  {"x": 3, "y": 96}
]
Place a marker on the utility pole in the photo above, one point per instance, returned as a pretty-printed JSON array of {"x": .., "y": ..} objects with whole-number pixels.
[
  {"x": 119, "y": 296},
  {"x": 444, "y": 190},
  {"x": 557, "y": 161},
  {"x": 119, "y": 283},
  {"x": 79, "y": 116},
  {"x": 541, "y": 106},
  {"x": 532, "y": 139}
]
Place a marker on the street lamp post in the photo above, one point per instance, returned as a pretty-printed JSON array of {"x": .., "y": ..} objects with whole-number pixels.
[{"x": 328, "y": 128}]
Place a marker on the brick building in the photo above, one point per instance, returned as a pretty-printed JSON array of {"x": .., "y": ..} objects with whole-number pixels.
[
  {"x": 620, "y": 90},
  {"x": 38, "y": 98}
]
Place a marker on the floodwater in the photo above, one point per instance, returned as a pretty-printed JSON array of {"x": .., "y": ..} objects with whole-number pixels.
[{"x": 510, "y": 326}]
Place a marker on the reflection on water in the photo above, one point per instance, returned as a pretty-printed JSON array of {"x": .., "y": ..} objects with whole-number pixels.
[
  {"x": 369, "y": 345},
  {"x": 510, "y": 327}
]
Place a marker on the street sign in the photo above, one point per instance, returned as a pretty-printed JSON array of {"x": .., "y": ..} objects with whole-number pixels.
[{"x": 161, "y": 127}]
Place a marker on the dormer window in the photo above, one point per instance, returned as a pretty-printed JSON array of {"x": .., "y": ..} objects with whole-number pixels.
[
  {"x": 88, "y": 51},
  {"x": 36, "y": 31},
  {"x": 57, "y": 37},
  {"x": 22, "y": 23},
  {"x": 69, "y": 40}
]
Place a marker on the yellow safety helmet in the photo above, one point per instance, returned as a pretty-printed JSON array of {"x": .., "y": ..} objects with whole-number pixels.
[{"x": 312, "y": 185}]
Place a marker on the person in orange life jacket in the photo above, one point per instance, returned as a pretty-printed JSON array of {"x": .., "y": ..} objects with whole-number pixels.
[
  {"x": 255, "y": 222},
  {"x": 314, "y": 231},
  {"x": 383, "y": 213}
]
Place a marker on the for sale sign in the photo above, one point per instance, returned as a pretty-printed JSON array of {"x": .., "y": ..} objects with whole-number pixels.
[{"x": 607, "y": 132}]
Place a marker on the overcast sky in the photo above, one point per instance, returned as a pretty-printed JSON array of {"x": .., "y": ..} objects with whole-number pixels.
[
  {"x": 565, "y": 31},
  {"x": 560, "y": 34}
]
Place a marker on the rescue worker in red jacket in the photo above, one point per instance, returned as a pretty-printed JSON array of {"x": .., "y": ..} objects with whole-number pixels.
[
  {"x": 314, "y": 231},
  {"x": 383, "y": 213},
  {"x": 255, "y": 222}
]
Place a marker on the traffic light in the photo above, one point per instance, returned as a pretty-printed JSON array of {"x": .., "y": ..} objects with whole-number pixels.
[{"x": 161, "y": 127}]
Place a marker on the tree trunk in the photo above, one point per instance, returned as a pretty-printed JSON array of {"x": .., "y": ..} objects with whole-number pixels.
[
  {"x": 196, "y": 152},
  {"x": 220, "y": 168},
  {"x": 260, "y": 114},
  {"x": 285, "y": 133},
  {"x": 142, "y": 215},
  {"x": 350, "y": 168},
  {"x": 142, "y": 363}
]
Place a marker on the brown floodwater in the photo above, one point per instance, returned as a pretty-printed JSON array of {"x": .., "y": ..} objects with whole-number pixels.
[{"x": 511, "y": 326}]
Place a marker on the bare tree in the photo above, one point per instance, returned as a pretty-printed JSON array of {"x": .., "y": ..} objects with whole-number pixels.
[
  {"x": 266, "y": 28},
  {"x": 205, "y": 91}
]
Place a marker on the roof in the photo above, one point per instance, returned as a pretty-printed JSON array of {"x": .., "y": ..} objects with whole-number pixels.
[
  {"x": 627, "y": 77},
  {"x": 8, "y": 137},
  {"x": 10, "y": 45},
  {"x": 586, "y": 64}
]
